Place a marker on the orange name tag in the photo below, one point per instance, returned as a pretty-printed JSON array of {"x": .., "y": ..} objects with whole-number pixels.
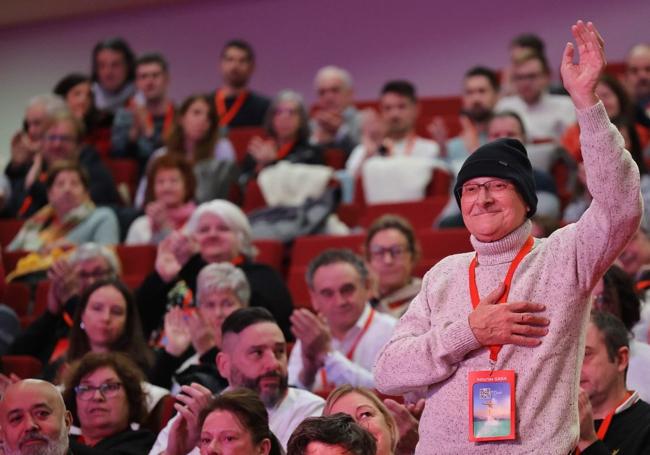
[{"x": 491, "y": 405}]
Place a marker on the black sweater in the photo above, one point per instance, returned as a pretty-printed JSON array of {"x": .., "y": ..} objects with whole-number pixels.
[
  {"x": 267, "y": 290},
  {"x": 629, "y": 433},
  {"x": 129, "y": 442}
]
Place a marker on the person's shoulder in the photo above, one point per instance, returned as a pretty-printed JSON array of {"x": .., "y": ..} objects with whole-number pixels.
[
  {"x": 301, "y": 399},
  {"x": 385, "y": 320},
  {"x": 258, "y": 98},
  {"x": 508, "y": 102},
  {"x": 104, "y": 213}
]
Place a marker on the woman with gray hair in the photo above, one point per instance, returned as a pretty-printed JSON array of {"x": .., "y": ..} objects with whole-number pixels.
[
  {"x": 69, "y": 278},
  {"x": 287, "y": 127},
  {"x": 193, "y": 337},
  {"x": 218, "y": 231}
]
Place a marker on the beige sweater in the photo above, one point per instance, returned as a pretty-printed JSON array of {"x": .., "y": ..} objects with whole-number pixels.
[{"x": 433, "y": 348}]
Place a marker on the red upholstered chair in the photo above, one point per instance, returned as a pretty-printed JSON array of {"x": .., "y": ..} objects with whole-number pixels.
[
  {"x": 10, "y": 259},
  {"x": 270, "y": 252},
  {"x": 307, "y": 248},
  {"x": 298, "y": 287},
  {"x": 240, "y": 137},
  {"x": 8, "y": 230},
  {"x": 335, "y": 158},
  {"x": 436, "y": 244},
  {"x": 23, "y": 366},
  {"x": 253, "y": 197},
  {"x": 137, "y": 260},
  {"x": 17, "y": 298},
  {"x": 125, "y": 172},
  {"x": 421, "y": 214}
]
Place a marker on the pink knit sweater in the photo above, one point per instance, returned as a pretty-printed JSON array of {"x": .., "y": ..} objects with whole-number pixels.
[{"x": 433, "y": 348}]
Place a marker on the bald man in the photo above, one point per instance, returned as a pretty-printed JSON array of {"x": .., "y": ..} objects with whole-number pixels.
[{"x": 33, "y": 419}]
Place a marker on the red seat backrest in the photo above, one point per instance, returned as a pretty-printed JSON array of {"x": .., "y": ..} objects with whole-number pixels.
[
  {"x": 17, "y": 298},
  {"x": 23, "y": 366},
  {"x": 137, "y": 260},
  {"x": 270, "y": 252},
  {"x": 8, "y": 230},
  {"x": 241, "y": 136},
  {"x": 421, "y": 214},
  {"x": 307, "y": 248},
  {"x": 125, "y": 172}
]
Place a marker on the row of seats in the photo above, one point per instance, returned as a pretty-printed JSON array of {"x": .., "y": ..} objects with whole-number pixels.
[{"x": 138, "y": 261}]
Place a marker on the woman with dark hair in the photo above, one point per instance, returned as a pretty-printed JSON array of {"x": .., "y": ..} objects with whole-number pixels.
[
  {"x": 234, "y": 422},
  {"x": 113, "y": 72},
  {"x": 615, "y": 293},
  {"x": 169, "y": 200},
  {"x": 104, "y": 393},
  {"x": 75, "y": 89},
  {"x": 392, "y": 250},
  {"x": 287, "y": 125},
  {"x": 195, "y": 137}
]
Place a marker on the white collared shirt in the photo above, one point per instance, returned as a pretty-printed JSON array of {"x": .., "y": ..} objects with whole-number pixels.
[{"x": 340, "y": 369}]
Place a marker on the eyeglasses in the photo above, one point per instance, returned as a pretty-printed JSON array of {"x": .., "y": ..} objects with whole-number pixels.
[
  {"x": 108, "y": 390},
  {"x": 95, "y": 274},
  {"x": 59, "y": 137},
  {"x": 471, "y": 190},
  {"x": 395, "y": 251}
]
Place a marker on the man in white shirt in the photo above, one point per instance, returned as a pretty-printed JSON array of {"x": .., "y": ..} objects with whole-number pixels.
[
  {"x": 545, "y": 116},
  {"x": 254, "y": 356},
  {"x": 340, "y": 343},
  {"x": 395, "y": 134}
]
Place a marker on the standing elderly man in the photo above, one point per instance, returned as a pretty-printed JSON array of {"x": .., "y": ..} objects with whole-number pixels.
[
  {"x": 510, "y": 365},
  {"x": 33, "y": 419}
]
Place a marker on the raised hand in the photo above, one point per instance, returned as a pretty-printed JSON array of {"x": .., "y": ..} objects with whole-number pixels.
[
  {"x": 167, "y": 265},
  {"x": 201, "y": 333},
  {"x": 587, "y": 431},
  {"x": 177, "y": 332},
  {"x": 496, "y": 323},
  {"x": 315, "y": 339},
  {"x": 185, "y": 431},
  {"x": 65, "y": 284},
  {"x": 580, "y": 78}
]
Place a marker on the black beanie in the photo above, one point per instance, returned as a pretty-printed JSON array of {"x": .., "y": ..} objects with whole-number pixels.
[{"x": 503, "y": 158}]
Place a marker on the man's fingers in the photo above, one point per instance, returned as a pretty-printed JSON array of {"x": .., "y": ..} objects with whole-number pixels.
[
  {"x": 521, "y": 340},
  {"x": 526, "y": 307},
  {"x": 529, "y": 330},
  {"x": 530, "y": 319}
]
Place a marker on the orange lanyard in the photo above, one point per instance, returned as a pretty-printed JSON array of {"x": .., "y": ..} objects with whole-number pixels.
[
  {"x": 473, "y": 290},
  {"x": 285, "y": 149},
  {"x": 604, "y": 426},
  {"x": 167, "y": 123},
  {"x": 352, "y": 349},
  {"x": 642, "y": 285},
  {"x": 226, "y": 115}
]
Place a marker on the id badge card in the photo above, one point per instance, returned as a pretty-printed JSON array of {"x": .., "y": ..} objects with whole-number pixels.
[{"x": 491, "y": 405}]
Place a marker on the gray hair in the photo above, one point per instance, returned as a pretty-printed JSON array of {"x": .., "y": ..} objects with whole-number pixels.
[
  {"x": 335, "y": 256},
  {"x": 223, "y": 276},
  {"x": 92, "y": 250},
  {"x": 50, "y": 103},
  {"x": 232, "y": 216},
  {"x": 333, "y": 71}
]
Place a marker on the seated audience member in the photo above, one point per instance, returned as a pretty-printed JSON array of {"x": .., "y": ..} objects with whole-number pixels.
[
  {"x": 339, "y": 344},
  {"x": 140, "y": 128},
  {"x": 113, "y": 72},
  {"x": 368, "y": 411},
  {"x": 253, "y": 356},
  {"x": 106, "y": 319},
  {"x": 635, "y": 258},
  {"x": 63, "y": 142},
  {"x": 335, "y": 121},
  {"x": 235, "y": 103},
  {"x": 480, "y": 95},
  {"x": 287, "y": 125},
  {"x": 613, "y": 419},
  {"x": 195, "y": 137},
  {"x": 26, "y": 145},
  {"x": 233, "y": 422},
  {"x": 637, "y": 77},
  {"x": 76, "y": 90},
  {"x": 70, "y": 217},
  {"x": 194, "y": 340},
  {"x": 33, "y": 419},
  {"x": 398, "y": 106},
  {"x": 615, "y": 294},
  {"x": 392, "y": 251},
  {"x": 47, "y": 337},
  {"x": 620, "y": 111},
  {"x": 104, "y": 393},
  {"x": 169, "y": 200},
  {"x": 334, "y": 434},
  {"x": 218, "y": 231},
  {"x": 545, "y": 116}
]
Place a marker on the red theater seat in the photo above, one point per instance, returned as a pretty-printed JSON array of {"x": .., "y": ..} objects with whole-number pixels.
[
  {"x": 335, "y": 158},
  {"x": 307, "y": 248},
  {"x": 8, "y": 230},
  {"x": 17, "y": 298},
  {"x": 421, "y": 214},
  {"x": 23, "y": 366},
  {"x": 125, "y": 172},
  {"x": 436, "y": 244},
  {"x": 270, "y": 252},
  {"x": 240, "y": 137},
  {"x": 137, "y": 260}
]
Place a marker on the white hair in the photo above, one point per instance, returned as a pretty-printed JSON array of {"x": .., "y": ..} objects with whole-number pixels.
[
  {"x": 92, "y": 250},
  {"x": 223, "y": 276},
  {"x": 50, "y": 103},
  {"x": 232, "y": 216},
  {"x": 333, "y": 71}
]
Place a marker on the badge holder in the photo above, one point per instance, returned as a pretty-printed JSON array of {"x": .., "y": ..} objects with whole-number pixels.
[{"x": 491, "y": 405}]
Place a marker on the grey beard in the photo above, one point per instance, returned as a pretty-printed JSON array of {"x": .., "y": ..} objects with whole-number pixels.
[{"x": 58, "y": 446}]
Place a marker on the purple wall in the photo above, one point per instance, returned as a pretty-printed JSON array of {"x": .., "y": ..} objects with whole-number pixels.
[{"x": 429, "y": 42}]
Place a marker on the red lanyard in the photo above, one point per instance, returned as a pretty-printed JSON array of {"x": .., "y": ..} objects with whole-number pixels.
[
  {"x": 285, "y": 149},
  {"x": 352, "y": 349},
  {"x": 167, "y": 123},
  {"x": 473, "y": 290},
  {"x": 604, "y": 426},
  {"x": 226, "y": 115}
]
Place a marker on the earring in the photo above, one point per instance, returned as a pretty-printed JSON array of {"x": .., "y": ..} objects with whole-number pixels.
[{"x": 82, "y": 325}]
